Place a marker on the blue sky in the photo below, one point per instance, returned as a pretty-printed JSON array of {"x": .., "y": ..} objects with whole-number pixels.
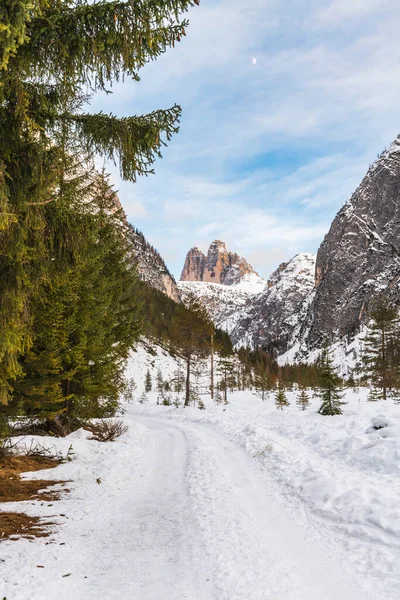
[{"x": 267, "y": 152}]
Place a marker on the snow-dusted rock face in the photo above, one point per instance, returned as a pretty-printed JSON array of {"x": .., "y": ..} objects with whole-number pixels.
[
  {"x": 256, "y": 312},
  {"x": 219, "y": 266},
  {"x": 227, "y": 305},
  {"x": 151, "y": 267},
  {"x": 277, "y": 313},
  {"x": 359, "y": 257}
]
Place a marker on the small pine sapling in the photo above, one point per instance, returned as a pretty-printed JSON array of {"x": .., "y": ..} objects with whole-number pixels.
[
  {"x": 280, "y": 397},
  {"x": 143, "y": 398},
  {"x": 330, "y": 387},
  {"x": 201, "y": 405},
  {"x": 303, "y": 400},
  {"x": 160, "y": 381},
  {"x": 129, "y": 389},
  {"x": 148, "y": 384}
]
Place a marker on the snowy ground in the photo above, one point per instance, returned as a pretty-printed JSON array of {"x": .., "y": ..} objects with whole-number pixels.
[{"x": 241, "y": 502}]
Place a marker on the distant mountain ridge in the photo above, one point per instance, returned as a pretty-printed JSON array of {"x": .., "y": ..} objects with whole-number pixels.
[
  {"x": 254, "y": 312},
  {"x": 309, "y": 301}
]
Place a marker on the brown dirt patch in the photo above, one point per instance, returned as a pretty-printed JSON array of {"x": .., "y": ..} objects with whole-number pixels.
[
  {"x": 16, "y": 525},
  {"x": 15, "y": 489}
]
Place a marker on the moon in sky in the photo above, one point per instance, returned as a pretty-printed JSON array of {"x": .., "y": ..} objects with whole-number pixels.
[{"x": 254, "y": 61}]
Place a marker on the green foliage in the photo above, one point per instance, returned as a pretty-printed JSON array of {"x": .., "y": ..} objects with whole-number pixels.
[
  {"x": 14, "y": 17},
  {"x": 148, "y": 384},
  {"x": 52, "y": 56},
  {"x": 281, "y": 399},
  {"x": 303, "y": 400},
  {"x": 381, "y": 356},
  {"x": 191, "y": 331},
  {"x": 263, "y": 381},
  {"x": 225, "y": 369},
  {"x": 159, "y": 381},
  {"x": 330, "y": 386}
]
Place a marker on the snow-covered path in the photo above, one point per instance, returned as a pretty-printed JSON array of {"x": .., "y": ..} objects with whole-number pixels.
[
  {"x": 255, "y": 550},
  {"x": 181, "y": 513}
]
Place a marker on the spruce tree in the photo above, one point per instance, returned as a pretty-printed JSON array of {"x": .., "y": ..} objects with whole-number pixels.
[
  {"x": 226, "y": 370},
  {"x": 159, "y": 381},
  {"x": 330, "y": 386},
  {"x": 190, "y": 336},
  {"x": 281, "y": 399},
  {"x": 380, "y": 356},
  {"x": 49, "y": 53},
  {"x": 263, "y": 382},
  {"x": 303, "y": 400},
  {"x": 84, "y": 319},
  {"x": 148, "y": 384}
]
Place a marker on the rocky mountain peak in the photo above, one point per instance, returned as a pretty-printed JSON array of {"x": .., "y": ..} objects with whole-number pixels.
[
  {"x": 219, "y": 266},
  {"x": 359, "y": 258}
]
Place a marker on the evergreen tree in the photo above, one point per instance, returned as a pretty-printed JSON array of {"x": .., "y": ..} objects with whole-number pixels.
[
  {"x": 190, "y": 336},
  {"x": 262, "y": 382},
  {"x": 226, "y": 369},
  {"x": 281, "y": 399},
  {"x": 143, "y": 398},
  {"x": 303, "y": 400},
  {"x": 380, "y": 357},
  {"x": 84, "y": 318},
  {"x": 49, "y": 53},
  {"x": 148, "y": 384},
  {"x": 159, "y": 381},
  {"x": 330, "y": 385}
]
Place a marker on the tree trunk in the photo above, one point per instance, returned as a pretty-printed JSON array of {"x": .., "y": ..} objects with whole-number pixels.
[
  {"x": 212, "y": 366},
  {"x": 384, "y": 383},
  {"x": 187, "y": 394},
  {"x": 226, "y": 387}
]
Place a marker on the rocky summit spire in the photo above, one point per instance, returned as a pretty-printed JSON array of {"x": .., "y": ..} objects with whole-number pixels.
[{"x": 219, "y": 266}]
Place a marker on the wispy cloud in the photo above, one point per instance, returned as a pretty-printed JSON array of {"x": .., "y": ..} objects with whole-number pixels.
[{"x": 267, "y": 153}]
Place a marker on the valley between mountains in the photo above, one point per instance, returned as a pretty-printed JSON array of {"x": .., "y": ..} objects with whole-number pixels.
[{"x": 238, "y": 500}]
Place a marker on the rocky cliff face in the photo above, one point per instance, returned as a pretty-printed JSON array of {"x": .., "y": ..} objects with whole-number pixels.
[
  {"x": 219, "y": 266},
  {"x": 256, "y": 312},
  {"x": 359, "y": 257},
  {"x": 277, "y": 314},
  {"x": 151, "y": 267}
]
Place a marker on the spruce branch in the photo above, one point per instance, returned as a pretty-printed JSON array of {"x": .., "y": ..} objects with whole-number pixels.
[
  {"x": 134, "y": 141},
  {"x": 103, "y": 40}
]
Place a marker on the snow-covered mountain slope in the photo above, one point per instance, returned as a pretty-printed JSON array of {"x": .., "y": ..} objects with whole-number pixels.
[
  {"x": 359, "y": 257},
  {"x": 227, "y": 305},
  {"x": 151, "y": 267},
  {"x": 256, "y": 312}
]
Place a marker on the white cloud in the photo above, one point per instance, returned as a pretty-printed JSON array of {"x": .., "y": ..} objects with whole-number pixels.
[{"x": 266, "y": 155}]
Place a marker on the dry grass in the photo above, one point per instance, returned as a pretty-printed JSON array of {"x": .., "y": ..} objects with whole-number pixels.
[
  {"x": 15, "y": 489},
  {"x": 13, "y": 526}
]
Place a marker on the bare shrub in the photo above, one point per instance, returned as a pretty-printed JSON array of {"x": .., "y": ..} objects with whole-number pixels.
[
  {"x": 7, "y": 447},
  {"x": 107, "y": 430}
]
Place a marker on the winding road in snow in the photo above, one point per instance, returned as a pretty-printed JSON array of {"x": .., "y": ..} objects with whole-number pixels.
[
  {"x": 209, "y": 528},
  {"x": 180, "y": 513}
]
